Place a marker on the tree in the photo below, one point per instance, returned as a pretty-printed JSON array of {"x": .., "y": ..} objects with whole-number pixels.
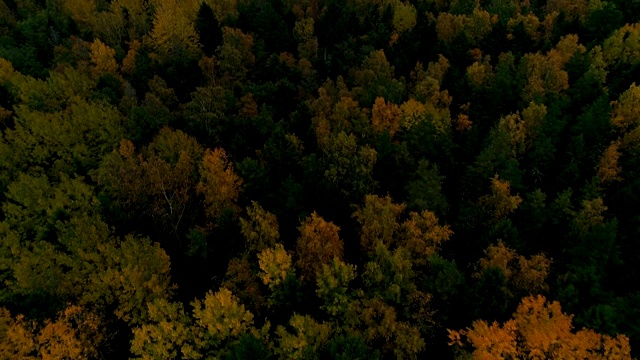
[
  {"x": 385, "y": 117},
  {"x": 333, "y": 286},
  {"x": 608, "y": 167},
  {"x": 308, "y": 338},
  {"x": 500, "y": 203},
  {"x": 317, "y": 245},
  {"x": 75, "y": 334},
  {"x": 69, "y": 141},
  {"x": 217, "y": 321},
  {"x": 103, "y": 58},
  {"x": 378, "y": 219},
  {"x": 538, "y": 330},
  {"x": 173, "y": 28},
  {"x": 260, "y": 230},
  {"x": 525, "y": 275},
  {"x": 349, "y": 167},
  {"x": 160, "y": 182},
  {"x": 375, "y": 78},
  {"x": 235, "y": 55},
  {"x": 423, "y": 235},
  {"x": 275, "y": 265},
  {"x": 166, "y": 333},
  {"x": 424, "y": 191},
  {"x": 218, "y": 183}
]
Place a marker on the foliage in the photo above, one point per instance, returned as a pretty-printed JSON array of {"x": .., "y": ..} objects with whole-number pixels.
[{"x": 352, "y": 176}]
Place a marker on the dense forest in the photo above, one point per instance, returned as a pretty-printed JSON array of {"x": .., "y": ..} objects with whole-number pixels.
[{"x": 319, "y": 179}]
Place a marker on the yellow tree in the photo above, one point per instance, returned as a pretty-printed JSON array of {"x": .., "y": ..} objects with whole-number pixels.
[
  {"x": 625, "y": 114},
  {"x": 608, "y": 167},
  {"x": 622, "y": 47},
  {"x": 317, "y": 245},
  {"x": 275, "y": 265},
  {"x": 173, "y": 28},
  {"x": 378, "y": 219},
  {"x": 235, "y": 55},
  {"x": 306, "y": 341},
  {"x": 75, "y": 334},
  {"x": 218, "y": 183},
  {"x": 260, "y": 228},
  {"x": 224, "y": 10},
  {"x": 538, "y": 330},
  {"x": 545, "y": 73},
  {"x": 500, "y": 203},
  {"x": 103, "y": 58},
  {"x": 307, "y": 42},
  {"x": 526, "y": 275}
]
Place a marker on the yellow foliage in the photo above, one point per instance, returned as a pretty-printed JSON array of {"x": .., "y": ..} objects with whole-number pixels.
[
  {"x": 173, "y": 29},
  {"x": 438, "y": 69},
  {"x": 623, "y": 46},
  {"x": 235, "y": 55},
  {"x": 590, "y": 216},
  {"x": 218, "y": 183},
  {"x": 129, "y": 61},
  {"x": 449, "y": 26},
  {"x": 82, "y": 11},
  {"x": 475, "y": 26},
  {"x": 626, "y": 111},
  {"x": 530, "y": 22},
  {"x": 308, "y": 337},
  {"x": 598, "y": 66},
  {"x": 515, "y": 128},
  {"x": 479, "y": 73},
  {"x": 275, "y": 264},
  {"x": 224, "y": 10},
  {"x": 608, "y": 167},
  {"x": 221, "y": 315},
  {"x": 524, "y": 274},
  {"x": 6, "y": 70},
  {"x": 404, "y": 17},
  {"x": 167, "y": 333},
  {"x": 260, "y": 229},
  {"x": 412, "y": 112},
  {"x": 17, "y": 338},
  {"x": 545, "y": 73},
  {"x": 75, "y": 335},
  {"x": 103, "y": 58},
  {"x": 500, "y": 203}
]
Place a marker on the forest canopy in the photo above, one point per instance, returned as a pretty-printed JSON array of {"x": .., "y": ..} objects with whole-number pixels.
[{"x": 319, "y": 179}]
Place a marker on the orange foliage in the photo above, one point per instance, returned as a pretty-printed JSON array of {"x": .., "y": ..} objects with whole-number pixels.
[
  {"x": 539, "y": 330},
  {"x": 385, "y": 116},
  {"x": 75, "y": 334},
  {"x": 424, "y": 235},
  {"x": 318, "y": 244}
]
